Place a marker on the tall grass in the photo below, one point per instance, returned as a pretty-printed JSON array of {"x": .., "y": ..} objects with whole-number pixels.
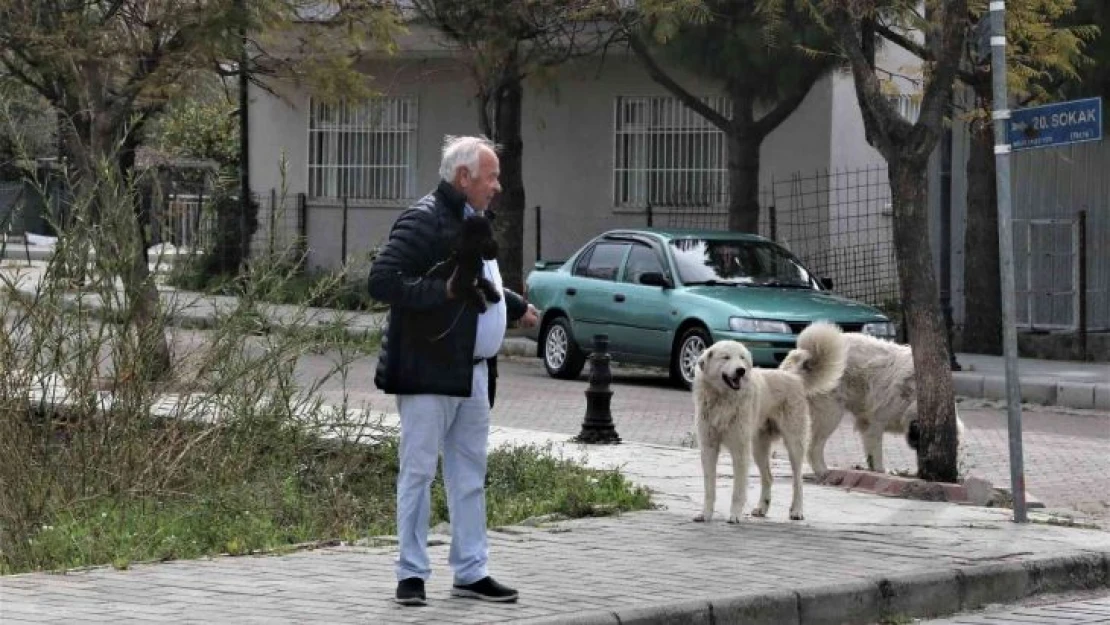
[{"x": 228, "y": 452}]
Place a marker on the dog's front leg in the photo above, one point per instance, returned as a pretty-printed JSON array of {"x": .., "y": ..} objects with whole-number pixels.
[
  {"x": 710, "y": 450},
  {"x": 740, "y": 448},
  {"x": 762, "y": 452}
]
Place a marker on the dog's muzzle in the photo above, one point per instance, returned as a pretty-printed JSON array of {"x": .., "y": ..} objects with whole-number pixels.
[{"x": 733, "y": 380}]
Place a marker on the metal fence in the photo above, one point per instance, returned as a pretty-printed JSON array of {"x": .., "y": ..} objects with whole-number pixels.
[
  {"x": 184, "y": 221},
  {"x": 838, "y": 223},
  {"x": 190, "y": 222}
]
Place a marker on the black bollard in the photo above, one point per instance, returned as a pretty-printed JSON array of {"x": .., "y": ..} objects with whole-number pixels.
[{"x": 598, "y": 427}]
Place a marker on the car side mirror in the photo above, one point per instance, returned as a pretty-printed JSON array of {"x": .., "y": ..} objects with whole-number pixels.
[
  {"x": 655, "y": 278},
  {"x": 826, "y": 283}
]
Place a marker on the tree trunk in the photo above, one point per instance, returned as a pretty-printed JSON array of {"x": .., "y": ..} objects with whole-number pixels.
[
  {"x": 936, "y": 406},
  {"x": 507, "y": 102},
  {"x": 141, "y": 292},
  {"x": 743, "y": 181},
  {"x": 138, "y": 284},
  {"x": 982, "y": 332}
]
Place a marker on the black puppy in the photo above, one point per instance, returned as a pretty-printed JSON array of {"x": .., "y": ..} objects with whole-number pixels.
[{"x": 475, "y": 244}]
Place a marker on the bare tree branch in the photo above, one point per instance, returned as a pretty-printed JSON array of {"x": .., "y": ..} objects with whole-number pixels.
[
  {"x": 883, "y": 123},
  {"x": 658, "y": 75},
  {"x": 920, "y": 51},
  {"x": 939, "y": 91}
]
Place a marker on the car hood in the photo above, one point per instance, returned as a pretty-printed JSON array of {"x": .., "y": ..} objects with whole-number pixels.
[{"x": 789, "y": 304}]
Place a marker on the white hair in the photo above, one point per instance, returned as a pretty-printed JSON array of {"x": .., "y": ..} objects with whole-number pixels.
[{"x": 462, "y": 152}]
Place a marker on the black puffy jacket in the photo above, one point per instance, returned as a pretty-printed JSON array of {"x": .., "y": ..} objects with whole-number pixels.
[{"x": 428, "y": 347}]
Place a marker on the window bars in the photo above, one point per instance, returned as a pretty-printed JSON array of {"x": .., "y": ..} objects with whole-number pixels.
[
  {"x": 665, "y": 154},
  {"x": 363, "y": 150}
]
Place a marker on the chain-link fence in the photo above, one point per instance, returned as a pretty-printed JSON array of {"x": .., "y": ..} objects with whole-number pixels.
[{"x": 839, "y": 223}]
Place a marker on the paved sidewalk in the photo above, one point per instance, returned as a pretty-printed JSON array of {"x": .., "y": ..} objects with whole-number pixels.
[{"x": 854, "y": 559}]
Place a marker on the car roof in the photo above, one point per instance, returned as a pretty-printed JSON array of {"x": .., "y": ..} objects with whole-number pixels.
[{"x": 688, "y": 233}]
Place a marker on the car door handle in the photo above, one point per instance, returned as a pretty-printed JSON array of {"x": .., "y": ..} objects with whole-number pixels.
[
  {"x": 572, "y": 291},
  {"x": 619, "y": 297}
]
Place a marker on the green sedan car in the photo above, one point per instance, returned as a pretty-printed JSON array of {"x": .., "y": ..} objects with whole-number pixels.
[{"x": 663, "y": 296}]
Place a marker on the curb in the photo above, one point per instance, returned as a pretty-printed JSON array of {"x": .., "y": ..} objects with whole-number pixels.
[
  {"x": 915, "y": 595},
  {"x": 1080, "y": 395},
  {"x": 973, "y": 492}
]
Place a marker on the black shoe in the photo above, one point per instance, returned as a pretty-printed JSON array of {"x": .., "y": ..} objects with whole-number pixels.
[
  {"x": 486, "y": 589},
  {"x": 411, "y": 592}
]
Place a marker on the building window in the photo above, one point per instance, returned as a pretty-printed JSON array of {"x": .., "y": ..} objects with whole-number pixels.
[
  {"x": 668, "y": 155},
  {"x": 908, "y": 106},
  {"x": 363, "y": 150}
]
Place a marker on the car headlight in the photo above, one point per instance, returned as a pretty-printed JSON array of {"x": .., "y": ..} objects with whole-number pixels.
[
  {"x": 880, "y": 329},
  {"x": 763, "y": 326}
]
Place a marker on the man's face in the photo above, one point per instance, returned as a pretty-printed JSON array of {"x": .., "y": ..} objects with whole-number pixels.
[{"x": 479, "y": 190}]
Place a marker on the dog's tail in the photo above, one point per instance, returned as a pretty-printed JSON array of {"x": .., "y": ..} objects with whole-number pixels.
[{"x": 819, "y": 358}]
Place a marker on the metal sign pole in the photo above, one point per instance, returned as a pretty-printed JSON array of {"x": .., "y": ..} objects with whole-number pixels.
[{"x": 1006, "y": 253}]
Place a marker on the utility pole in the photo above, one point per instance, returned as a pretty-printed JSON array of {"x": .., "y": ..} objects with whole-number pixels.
[{"x": 1006, "y": 253}]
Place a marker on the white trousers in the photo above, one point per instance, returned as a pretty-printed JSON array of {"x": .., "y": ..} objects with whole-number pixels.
[{"x": 460, "y": 428}]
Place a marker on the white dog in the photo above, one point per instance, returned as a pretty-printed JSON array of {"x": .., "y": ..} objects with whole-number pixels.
[
  {"x": 877, "y": 387},
  {"x": 745, "y": 409}
]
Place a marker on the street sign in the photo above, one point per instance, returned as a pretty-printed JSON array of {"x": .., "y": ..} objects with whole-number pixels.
[{"x": 1054, "y": 125}]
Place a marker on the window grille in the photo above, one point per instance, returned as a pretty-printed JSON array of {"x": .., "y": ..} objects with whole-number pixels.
[
  {"x": 363, "y": 150},
  {"x": 668, "y": 155}
]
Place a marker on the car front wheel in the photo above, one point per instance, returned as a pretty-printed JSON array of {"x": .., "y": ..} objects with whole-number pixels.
[
  {"x": 684, "y": 360},
  {"x": 561, "y": 356}
]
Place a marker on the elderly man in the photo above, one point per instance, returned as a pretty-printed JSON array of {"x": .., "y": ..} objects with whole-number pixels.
[{"x": 439, "y": 358}]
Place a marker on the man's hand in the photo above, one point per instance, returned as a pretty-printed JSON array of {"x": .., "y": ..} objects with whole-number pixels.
[{"x": 531, "y": 317}]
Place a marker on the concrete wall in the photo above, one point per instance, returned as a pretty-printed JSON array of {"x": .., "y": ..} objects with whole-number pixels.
[{"x": 568, "y": 143}]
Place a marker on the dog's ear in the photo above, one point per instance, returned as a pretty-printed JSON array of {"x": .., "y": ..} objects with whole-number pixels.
[{"x": 701, "y": 360}]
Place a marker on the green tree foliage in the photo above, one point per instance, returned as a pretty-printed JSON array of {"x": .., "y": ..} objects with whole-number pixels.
[
  {"x": 503, "y": 43},
  {"x": 1094, "y": 77},
  {"x": 109, "y": 66},
  {"x": 200, "y": 128},
  {"x": 763, "y": 55}
]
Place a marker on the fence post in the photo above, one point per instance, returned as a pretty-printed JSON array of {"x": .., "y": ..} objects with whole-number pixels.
[
  {"x": 539, "y": 231},
  {"x": 200, "y": 239},
  {"x": 302, "y": 221},
  {"x": 244, "y": 238},
  {"x": 650, "y": 217},
  {"x": 773, "y": 217},
  {"x": 343, "y": 235},
  {"x": 273, "y": 218},
  {"x": 1081, "y": 303}
]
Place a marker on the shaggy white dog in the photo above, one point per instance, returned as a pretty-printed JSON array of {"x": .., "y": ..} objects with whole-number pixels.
[
  {"x": 744, "y": 409},
  {"x": 877, "y": 387}
]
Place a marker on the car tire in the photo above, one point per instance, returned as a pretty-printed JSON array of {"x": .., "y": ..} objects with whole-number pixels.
[
  {"x": 561, "y": 356},
  {"x": 684, "y": 358}
]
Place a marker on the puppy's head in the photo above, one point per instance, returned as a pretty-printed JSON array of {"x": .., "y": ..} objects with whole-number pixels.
[
  {"x": 477, "y": 234},
  {"x": 725, "y": 365}
]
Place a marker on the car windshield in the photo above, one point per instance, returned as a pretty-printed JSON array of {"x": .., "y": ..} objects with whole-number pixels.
[{"x": 738, "y": 263}]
